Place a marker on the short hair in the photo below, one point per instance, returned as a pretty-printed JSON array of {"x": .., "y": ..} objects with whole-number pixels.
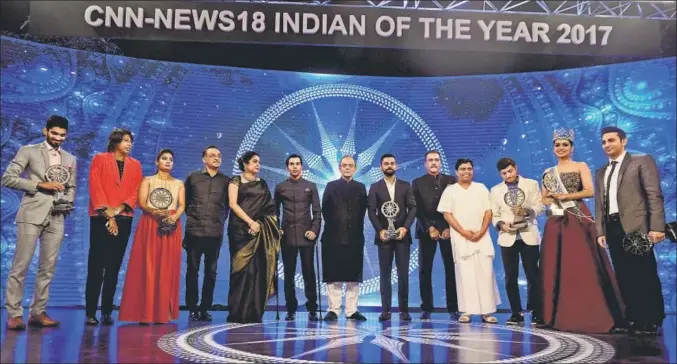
[
  {"x": 56, "y": 121},
  {"x": 115, "y": 138},
  {"x": 346, "y": 156},
  {"x": 246, "y": 157},
  {"x": 504, "y": 163},
  {"x": 286, "y": 162},
  {"x": 204, "y": 152},
  {"x": 387, "y": 155},
  {"x": 463, "y": 161},
  {"x": 613, "y": 129},
  {"x": 164, "y": 151},
  {"x": 433, "y": 151}
]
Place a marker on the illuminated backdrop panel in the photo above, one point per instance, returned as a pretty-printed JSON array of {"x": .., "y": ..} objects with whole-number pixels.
[{"x": 187, "y": 107}]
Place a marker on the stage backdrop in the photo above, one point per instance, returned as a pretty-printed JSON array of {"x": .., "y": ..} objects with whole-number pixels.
[{"x": 187, "y": 107}]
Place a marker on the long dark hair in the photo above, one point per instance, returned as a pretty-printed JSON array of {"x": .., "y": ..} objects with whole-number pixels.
[{"x": 246, "y": 157}]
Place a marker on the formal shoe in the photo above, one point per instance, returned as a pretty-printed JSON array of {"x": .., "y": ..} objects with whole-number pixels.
[
  {"x": 312, "y": 316},
  {"x": 107, "y": 320},
  {"x": 537, "y": 321},
  {"x": 205, "y": 316},
  {"x": 91, "y": 321},
  {"x": 619, "y": 330},
  {"x": 16, "y": 323},
  {"x": 515, "y": 319},
  {"x": 385, "y": 316},
  {"x": 405, "y": 316},
  {"x": 425, "y": 315},
  {"x": 357, "y": 317},
  {"x": 144, "y": 323},
  {"x": 454, "y": 315},
  {"x": 195, "y": 316},
  {"x": 289, "y": 317},
  {"x": 42, "y": 320},
  {"x": 330, "y": 316},
  {"x": 646, "y": 330}
]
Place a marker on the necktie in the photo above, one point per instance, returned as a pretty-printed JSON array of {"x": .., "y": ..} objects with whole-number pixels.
[{"x": 608, "y": 185}]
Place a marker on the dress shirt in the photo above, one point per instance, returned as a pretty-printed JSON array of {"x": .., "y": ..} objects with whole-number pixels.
[{"x": 613, "y": 187}]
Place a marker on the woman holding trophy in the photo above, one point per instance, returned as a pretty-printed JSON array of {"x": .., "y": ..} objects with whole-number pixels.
[
  {"x": 151, "y": 291},
  {"x": 579, "y": 289}
]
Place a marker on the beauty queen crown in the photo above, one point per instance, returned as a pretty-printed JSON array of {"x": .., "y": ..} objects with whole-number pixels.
[{"x": 567, "y": 134}]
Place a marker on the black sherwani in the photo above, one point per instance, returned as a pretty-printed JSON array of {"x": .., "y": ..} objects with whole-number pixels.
[{"x": 344, "y": 205}]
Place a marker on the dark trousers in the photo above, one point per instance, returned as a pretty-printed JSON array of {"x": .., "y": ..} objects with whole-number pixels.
[
  {"x": 196, "y": 247},
  {"x": 637, "y": 277},
  {"x": 103, "y": 263},
  {"x": 511, "y": 259},
  {"x": 289, "y": 254},
  {"x": 426, "y": 253},
  {"x": 386, "y": 253}
]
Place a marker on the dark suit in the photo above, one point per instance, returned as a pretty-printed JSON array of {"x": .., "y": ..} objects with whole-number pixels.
[
  {"x": 400, "y": 249},
  {"x": 299, "y": 203},
  {"x": 640, "y": 208},
  {"x": 427, "y": 192}
]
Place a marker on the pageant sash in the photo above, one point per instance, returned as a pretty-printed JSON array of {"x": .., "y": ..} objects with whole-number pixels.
[{"x": 553, "y": 183}]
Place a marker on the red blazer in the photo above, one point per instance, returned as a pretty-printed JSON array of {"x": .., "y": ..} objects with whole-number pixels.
[{"x": 106, "y": 189}]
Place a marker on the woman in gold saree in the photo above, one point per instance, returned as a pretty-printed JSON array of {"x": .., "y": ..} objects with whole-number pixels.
[{"x": 254, "y": 242}]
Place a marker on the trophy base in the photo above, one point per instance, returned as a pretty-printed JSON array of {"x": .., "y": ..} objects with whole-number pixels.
[
  {"x": 392, "y": 235},
  {"x": 519, "y": 225},
  {"x": 62, "y": 207}
]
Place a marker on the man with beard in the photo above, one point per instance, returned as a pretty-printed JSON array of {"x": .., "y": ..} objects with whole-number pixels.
[
  {"x": 301, "y": 219},
  {"x": 344, "y": 205},
  {"x": 431, "y": 230},
  {"x": 392, "y": 206},
  {"x": 206, "y": 212},
  {"x": 467, "y": 209},
  {"x": 38, "y": 219}
]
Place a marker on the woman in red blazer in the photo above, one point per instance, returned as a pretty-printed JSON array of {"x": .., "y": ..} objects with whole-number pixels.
[{"x": 114, "y": 180}]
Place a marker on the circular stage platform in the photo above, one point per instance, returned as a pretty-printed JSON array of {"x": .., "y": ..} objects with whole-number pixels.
[{"x": 436, "y": 340}]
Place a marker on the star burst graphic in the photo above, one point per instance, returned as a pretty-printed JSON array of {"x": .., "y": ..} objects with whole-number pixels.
[{"x": 323, "y": 168}]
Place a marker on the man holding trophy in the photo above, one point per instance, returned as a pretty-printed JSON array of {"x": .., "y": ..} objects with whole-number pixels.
[
  {"x": 515, "y": 203},
  {"x": 49, "y": 190},
  {"x": 392, "y": 209}
]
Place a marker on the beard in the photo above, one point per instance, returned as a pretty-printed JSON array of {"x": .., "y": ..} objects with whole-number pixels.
[{"x": 389, "y": 172}]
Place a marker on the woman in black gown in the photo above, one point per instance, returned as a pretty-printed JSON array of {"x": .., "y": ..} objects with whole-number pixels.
[{"x": 254, "y": 241}]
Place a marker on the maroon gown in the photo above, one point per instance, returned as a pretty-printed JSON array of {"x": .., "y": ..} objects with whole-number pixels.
[{"x": 579, "y": 289}]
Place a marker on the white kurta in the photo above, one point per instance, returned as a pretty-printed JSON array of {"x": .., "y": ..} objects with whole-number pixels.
[{"x": 473, "y": 261}]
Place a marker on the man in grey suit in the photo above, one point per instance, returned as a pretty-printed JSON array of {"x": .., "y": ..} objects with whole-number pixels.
[
  {"x": 629, "y": 199},
  {"x": 37, "y": 219}
]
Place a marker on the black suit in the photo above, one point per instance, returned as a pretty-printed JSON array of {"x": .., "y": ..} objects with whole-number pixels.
[
  {"x": 400, "y": 249},
  {"x": 427, "y": 192}
]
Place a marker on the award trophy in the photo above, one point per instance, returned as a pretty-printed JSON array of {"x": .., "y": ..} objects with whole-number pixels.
[
  {"x": 637, "y": 243},
  {"x": 390, "y": 209},
  {"x": 515, "y": 198},
  {"x": 162, "y": 199},
  {"x": 60, "y": 174},
  {"x": 551, "y": 183}
]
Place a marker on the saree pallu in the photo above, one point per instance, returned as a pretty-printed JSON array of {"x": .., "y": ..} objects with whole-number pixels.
[{"x": 253, "y": 266}]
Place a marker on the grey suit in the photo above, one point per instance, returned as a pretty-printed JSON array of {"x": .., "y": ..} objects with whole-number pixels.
[
  {"x": 640, "y": 208},
  {"x": 34, "y": 221}
]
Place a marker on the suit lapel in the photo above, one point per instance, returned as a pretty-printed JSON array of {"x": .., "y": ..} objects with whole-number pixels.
[
  {"x": 624, "y": 166},
  {"x": 114, "y": 167},
  {"x": 45, "y": 155}
]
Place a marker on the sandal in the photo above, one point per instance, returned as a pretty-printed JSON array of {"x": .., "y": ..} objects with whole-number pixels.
[
  {"x": 464, "y": 319},
  {"x": 488, "y": 319}
]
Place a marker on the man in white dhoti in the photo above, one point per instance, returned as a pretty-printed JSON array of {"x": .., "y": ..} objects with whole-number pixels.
[{"x": 466, "y": 206}]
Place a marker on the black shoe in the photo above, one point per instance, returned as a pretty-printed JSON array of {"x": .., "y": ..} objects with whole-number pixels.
[
  {"x": 537, "y": 321},
  {"x": 205, "y": 316},
  {"x": 405, "y": 316},
  {"x": 357, "y": 316},
  {"x": 385, "y": 316},
  {"x": 312, "y": 316},
  {"x": 106, "y": 320},
  {"x": 91, "y": 321},
  {"x": 425, "y": 315},
  {"x": 454, "y": 315},
  {"x": 330, "y": 316},
  {"x": 515, "y": 319},
  {"x": 646, "y": 330},
  {"x": 290, "y": 316},
  {"x": 619, "y": 330},
  {"x": 195, "y": 316}
]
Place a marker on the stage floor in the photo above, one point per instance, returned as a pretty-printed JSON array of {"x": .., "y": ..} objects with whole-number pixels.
[{"x": 438, "y": 340}]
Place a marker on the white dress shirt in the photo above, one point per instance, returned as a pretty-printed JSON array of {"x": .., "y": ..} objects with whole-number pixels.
[
  {"x": 391, "y": 188},
  {"x": 613, "y": 186},
  {"x": 54, "y": 155}
]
